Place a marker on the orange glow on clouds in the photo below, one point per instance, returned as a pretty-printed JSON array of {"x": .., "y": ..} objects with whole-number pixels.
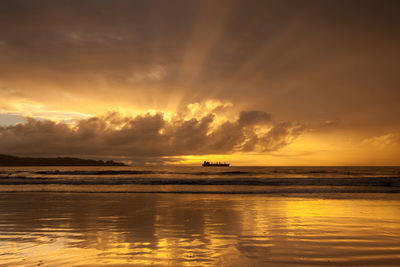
[{"x": 311, "y": 148}]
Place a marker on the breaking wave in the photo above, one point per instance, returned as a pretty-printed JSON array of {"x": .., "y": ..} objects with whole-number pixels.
[
  {"x": 198, "y": 179},
  {"x": 361, "y": 181},
  {"x": 127, "y": 172}
]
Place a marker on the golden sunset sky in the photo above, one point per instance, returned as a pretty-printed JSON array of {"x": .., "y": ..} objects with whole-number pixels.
[{"x": 250, "y": 82}]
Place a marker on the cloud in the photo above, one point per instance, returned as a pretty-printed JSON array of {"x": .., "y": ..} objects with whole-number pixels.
[
  {"x": 384, "y": 141},
  {"x": 253, "y": 117},
  {"x": 167, "y": 54},
  {"x": 147, "y": 136},
  {"x": 10, "y": 118},
  {"x": 279, "y": 136}
]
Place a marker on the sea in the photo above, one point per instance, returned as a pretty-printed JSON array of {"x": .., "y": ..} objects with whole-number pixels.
[
  {"x": 217, "y": 180},
  {"x": 199, "y": 216}
]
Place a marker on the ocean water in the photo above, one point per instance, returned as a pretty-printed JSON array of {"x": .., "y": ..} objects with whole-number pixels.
[
  {"x": 195, "y": 216},
  {"x": 202, "y": 179},
  {"x": 152, "y": 229}
]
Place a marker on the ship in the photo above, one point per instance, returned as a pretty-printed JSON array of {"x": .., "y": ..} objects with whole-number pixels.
[{"x": 215, "y": 164}]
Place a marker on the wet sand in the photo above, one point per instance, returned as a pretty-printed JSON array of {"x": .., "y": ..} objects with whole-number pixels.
[{"x": 125, "y": 229}]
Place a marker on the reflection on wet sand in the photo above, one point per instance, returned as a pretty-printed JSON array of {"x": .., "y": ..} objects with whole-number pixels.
[{"x": 53, "y": 229}]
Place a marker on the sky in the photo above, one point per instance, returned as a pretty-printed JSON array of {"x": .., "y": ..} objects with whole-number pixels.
[{"x": 179, "y": 82}]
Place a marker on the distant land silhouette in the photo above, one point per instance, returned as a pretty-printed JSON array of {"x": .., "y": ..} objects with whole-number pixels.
[{"x": 7, "y": 160}]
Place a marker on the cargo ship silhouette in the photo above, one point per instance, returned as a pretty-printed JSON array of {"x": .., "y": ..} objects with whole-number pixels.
[{"x": 215, "y": 164}]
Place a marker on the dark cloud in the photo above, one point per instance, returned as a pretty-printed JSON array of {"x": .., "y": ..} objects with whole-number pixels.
[
  {"x": 280, "y": 135},
  {"x": 145, "y": 136},
  {"x": 330, "y": 65},
  {"x": 253, "y": 117},
  {"x": 308, "y": 61}
]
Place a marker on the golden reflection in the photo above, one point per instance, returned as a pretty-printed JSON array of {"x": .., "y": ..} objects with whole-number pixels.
[{"x": 197, "y": 230}]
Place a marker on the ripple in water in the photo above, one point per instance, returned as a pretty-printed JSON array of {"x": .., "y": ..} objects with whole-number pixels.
[{"x": 80, "y": 229}]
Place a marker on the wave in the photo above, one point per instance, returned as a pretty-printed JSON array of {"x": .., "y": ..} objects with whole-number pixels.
[
  {"x": 135, "y": 172},
  {"x": 101, "y": 172},
  {"x": 326, "y": 192},
  {"x": 225, "y": 173},
  {"x": 330, "y": 171},
  {"x": 359, "y": 181},
  {"x": 273, "y": 172}
]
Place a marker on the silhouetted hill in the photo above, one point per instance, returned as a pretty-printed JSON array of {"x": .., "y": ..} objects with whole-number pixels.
[{"x": 6, "y": 160}]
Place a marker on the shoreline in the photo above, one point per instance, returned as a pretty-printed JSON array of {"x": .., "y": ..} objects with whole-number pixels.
[{"x": 118, "y": 229}]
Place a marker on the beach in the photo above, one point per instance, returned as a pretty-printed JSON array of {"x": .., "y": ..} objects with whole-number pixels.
[
  {"x": 145, "y": 229},
  {"x": 195, "y": 216}
]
